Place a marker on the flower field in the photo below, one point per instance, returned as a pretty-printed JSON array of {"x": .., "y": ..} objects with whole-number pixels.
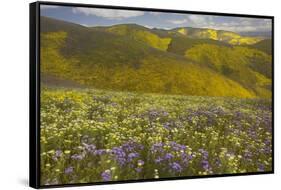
[{"x": 97, "y": 135}]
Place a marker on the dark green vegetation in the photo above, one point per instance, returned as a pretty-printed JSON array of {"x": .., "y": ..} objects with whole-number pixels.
[
  {"x": 264, "y": 45},
  {"x": 130, "y": 57}
]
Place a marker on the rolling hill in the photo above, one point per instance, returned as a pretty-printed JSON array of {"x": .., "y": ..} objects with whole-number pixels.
[
  {"x": 220, "y": 35},
  {"x": 264, "y": 45},
  {"x": 141, "y": 34},
  {"x": 130, "y": 57}
]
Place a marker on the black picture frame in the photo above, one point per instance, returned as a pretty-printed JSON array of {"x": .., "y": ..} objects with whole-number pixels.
[{"x": 34, "y": 92}]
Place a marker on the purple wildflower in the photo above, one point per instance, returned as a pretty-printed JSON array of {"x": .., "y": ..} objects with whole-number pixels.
[
  {"x": 106, "y": 175},
  {"x": 248, "y": 155},
  {"x": 169, "y": 156},
  {"x": 132, "y": 155},
  {"x": 58, "y": 153},
  {"x": 158, "y": 147},
  {"x": 165, "y": 113},
  {"x": 205, "y": 164},
  {"x": 77, "y": 157},
  {"x": 153, "y": 113},
  {"x": 176, "y": 167},
  {"x": 218, "y": 162},
  {"x": 89, "y": 147},
  {"x": 158, "y": 160},
  {"x": 99, "y": 152},
  {"x": 204, "y": 153},
  {"x": 260, "y": 167},
  {"x": 166, "y": 125},
  {"x": 120, "y": 155},
  {"x": 69, "y": 170},
  {"x": 177, "y": 147}
]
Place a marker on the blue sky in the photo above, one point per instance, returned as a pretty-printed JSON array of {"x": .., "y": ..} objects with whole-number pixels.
[{"x": 106, "y": 17}]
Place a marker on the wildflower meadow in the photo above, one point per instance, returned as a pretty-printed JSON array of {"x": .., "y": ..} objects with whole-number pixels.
[{"x": 90, "y": 135}]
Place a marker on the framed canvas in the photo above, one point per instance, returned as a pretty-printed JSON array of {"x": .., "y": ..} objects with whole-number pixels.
[{"x": 126, "y": 94}]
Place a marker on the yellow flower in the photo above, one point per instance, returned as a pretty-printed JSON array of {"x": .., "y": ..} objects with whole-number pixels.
[{"x": 51, "y": 152}]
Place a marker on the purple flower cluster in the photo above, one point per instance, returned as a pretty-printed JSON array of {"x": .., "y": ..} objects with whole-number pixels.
[
  {"x": 153, "y": 114},
  {"x": 132, "y": 156},
  {"x": 205, "y": 162},
  {"x": 248, "y": 155},
  {"x": 89, "y": 147},
  {"x": 69, "y": 170},
  {"x": 57, "y": 155},
  {"x": 175, "y": 167},
  {"x": 106, "y": 175},
  {"x": 120, "y": 155},
  {"x": 77, "y": 157},
  {"x": 175, "y": 157},
  {"x": 261, "y": 167},
  {"x": 92, "y": 149},
  {"x": 127, "y": 152}
]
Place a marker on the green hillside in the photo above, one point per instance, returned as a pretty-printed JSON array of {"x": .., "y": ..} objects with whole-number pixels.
[
  {"x": 249, "y": 67},
  {"x": 180, "y": 44},
  {"x": 220, "y": 35},
  {"x": 141, "y": 34},
  {"x": 135, "y": 58},
  {"x": 264, "y": 45}
]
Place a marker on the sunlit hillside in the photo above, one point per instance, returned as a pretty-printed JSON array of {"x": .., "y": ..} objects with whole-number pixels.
[{"x": 134, "y": 58}]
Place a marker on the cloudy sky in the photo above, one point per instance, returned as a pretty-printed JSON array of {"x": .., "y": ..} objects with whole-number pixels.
[{"x": 105, "y": 17}]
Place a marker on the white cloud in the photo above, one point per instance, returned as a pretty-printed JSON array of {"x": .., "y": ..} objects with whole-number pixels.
[
  {"x": 235, "y": 24},
  {"x": 178, "y": 21},
  {"x": 108, "y": 13},
  {"x": 197, "y": 18},
  {"x": 86, "y": 25},
  {"x": 48, "y": 6},
  {"x": 233, "y": 28},
  {"x": 149, "y": 26}
]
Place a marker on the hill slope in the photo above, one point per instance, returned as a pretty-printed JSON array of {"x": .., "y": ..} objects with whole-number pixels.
[
  {"x": 141, "y": 34},
  {"x": 220, "y": 35},
  {"x": 131, "y": 58},
  {"x": 264, "y": 45}
]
